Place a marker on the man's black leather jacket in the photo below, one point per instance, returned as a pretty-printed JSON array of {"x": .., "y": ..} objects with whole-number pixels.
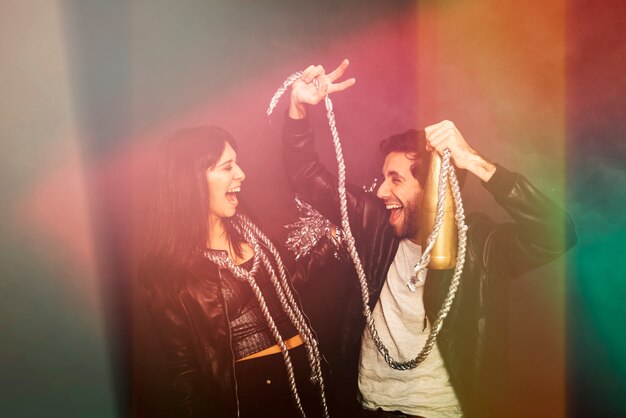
[{"x": 471, "y": 340}]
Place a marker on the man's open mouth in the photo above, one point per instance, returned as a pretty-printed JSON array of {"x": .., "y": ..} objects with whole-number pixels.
[{"x": 395, "y": 211}]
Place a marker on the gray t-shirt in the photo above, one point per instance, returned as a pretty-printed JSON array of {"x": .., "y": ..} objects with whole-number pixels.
[{"x": 400, "y": 317}]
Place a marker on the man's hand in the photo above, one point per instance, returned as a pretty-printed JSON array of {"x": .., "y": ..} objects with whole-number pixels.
[
  {"x": 314, "y": 85},
  {"x": 444, "y": 135}
]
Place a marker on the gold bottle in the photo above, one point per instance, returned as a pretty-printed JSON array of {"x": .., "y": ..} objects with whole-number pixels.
[{"x": 443, "y": 254}]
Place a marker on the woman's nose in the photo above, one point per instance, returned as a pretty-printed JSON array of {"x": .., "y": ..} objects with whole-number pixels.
[{"x": 240, "y": 175}]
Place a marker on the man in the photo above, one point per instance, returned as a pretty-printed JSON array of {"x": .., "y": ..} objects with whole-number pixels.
[{"x": 461, "y": 375}]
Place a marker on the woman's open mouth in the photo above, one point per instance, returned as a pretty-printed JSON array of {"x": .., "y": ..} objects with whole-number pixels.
[{"x": 231, "y": 195}]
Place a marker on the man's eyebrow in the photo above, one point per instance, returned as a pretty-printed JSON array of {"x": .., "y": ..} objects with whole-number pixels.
[{"x": 394, "y": 173}]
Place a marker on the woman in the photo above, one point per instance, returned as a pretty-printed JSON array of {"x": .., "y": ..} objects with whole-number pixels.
[{"x": 235, "y": 339}]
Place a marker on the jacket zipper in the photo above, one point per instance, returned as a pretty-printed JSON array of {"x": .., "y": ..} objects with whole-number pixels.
[{"x": 230, "y": 342}]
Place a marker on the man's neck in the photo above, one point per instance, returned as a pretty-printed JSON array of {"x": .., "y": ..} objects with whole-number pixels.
[{"x": 415, "y": 238}]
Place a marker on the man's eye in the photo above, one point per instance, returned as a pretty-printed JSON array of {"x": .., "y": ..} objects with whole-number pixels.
[
  {"x": 228, "y": 167},
  {"x": 396, "y": 180}
]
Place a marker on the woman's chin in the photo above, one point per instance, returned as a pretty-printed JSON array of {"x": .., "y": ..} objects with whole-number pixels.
[{"x": 225, "y": 214}]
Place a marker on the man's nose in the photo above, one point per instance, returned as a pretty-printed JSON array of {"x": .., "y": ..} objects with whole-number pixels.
[{"x": 383, "y": 190}]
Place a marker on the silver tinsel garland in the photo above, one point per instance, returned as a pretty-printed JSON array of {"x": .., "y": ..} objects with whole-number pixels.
[{"x": 311, "y": 226}]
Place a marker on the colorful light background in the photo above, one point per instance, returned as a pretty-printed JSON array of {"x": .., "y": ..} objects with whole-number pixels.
[{"x": 90, "y": 88}]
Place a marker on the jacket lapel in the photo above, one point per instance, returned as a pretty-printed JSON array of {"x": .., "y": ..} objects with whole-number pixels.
[{"x": 435, "y": 290}]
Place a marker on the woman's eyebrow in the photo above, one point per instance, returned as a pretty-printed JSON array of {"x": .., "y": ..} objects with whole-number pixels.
[{"x": 226, "y": 162}]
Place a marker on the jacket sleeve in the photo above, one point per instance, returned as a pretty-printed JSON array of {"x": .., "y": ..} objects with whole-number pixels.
[
  {"x": 540, "y": 233},
  {"x": 312, "y": 181},
  {"x": 173, "y": 329}
]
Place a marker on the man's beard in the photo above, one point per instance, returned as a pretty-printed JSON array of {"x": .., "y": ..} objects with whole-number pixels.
[{"x": 410, "y": 221}]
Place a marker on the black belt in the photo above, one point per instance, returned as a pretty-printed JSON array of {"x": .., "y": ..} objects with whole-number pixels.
[{"x": 379, "y": 413}]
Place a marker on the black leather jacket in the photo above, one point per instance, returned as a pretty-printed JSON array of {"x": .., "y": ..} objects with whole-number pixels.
[
  {"x": 191, "y": 320},
  {"x": 471, "y": 340},
  {"x": 187, "y": 309}
]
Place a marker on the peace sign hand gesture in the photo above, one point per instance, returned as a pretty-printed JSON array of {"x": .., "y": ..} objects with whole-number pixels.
[{"x": 314, "y": 85}]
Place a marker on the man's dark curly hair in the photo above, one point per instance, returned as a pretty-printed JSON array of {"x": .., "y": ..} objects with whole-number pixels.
[{"x": 413, "y": 144}]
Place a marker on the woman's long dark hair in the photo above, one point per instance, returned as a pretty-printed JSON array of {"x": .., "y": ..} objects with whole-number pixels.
[{"x": 179, "y": 216}]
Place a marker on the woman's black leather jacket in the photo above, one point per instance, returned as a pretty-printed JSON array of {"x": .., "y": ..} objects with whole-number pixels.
[
  {"x": 191, "y": 320},
  {"x": 188, "y": 311}
]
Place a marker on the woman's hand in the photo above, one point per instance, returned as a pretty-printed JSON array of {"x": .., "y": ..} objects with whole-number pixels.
[{"x": 314, "y": 85}]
